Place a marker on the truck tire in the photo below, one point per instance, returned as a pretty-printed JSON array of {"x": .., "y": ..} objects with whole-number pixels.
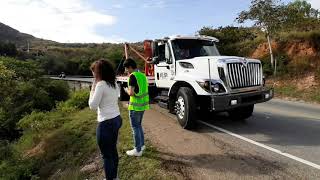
[
  {"x": 123, "y": 95},
  {"x": 241, "y": 113},
  {"x": 186, "y": 108}
]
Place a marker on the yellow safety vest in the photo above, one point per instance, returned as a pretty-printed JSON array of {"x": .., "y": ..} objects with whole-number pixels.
[{"x": 140, "y": 101}]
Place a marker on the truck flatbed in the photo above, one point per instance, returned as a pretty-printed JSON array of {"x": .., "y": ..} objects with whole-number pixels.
[{"x": 124, "y": 79}]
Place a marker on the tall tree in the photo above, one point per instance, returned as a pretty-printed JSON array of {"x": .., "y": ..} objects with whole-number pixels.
[
  {"x": 300, "y": 16},
  {"x": 267, "y": 15}
]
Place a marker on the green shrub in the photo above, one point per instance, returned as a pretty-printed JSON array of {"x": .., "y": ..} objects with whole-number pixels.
[
  {"x": 282, "y": 62},
  {"x": 288, "y": 90},
  {"x": 5, "y": 150},
  {"x": 78, "y": 100},
  {"x": 24, "y": 70},
  {"x": 31, "y": 97},
  {"x": 58, "y": 90},
  {"x": 300, "y": 65}
]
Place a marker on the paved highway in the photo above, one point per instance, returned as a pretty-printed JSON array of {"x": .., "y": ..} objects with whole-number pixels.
[{"x": 287, "y": 132}]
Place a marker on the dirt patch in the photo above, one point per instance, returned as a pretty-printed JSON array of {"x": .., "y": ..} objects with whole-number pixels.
[
  {"x": 93, "y": 165},
  {"x": 263, "y": 50},
  {"x": 36, "y": 151},
  {"x": 196, "y": 155},
  {"x": 292, "y": 49},
  {"x": 307, "y": 82},
  {"x": 301, "y": 49}
]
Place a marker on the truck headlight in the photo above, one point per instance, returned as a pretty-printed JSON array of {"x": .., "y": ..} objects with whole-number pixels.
[
  {"x": 204, "y": 85},
  {"x": 216, "y": 88}
]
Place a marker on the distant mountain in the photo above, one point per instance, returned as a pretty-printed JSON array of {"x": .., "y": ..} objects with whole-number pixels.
[{"x": 9, "y": 34}]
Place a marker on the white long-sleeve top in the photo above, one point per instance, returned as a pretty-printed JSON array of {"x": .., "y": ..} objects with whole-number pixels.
[{"x": 104, "y": 98}]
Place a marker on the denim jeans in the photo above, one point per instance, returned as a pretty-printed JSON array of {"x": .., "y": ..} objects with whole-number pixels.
[
  {"x": 137, "y": 131},
  {"x": 107, "y": 137}
]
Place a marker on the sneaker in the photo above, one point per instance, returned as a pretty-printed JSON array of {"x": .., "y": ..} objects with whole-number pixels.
[
  {"x": 134, "y": 152},
  {"x": 143, "y": 148}
]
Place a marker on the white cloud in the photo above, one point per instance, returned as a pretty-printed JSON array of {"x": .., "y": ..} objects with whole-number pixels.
[
  {"x": 118, "y": 6},
  {"x": 155, "y": 4},
  {"x": 315, "y": 4},
  {"x": 58, "y": 20}
]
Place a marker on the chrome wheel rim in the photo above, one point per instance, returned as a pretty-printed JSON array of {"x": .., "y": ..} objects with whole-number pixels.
[{"x": 180, "y": 107}]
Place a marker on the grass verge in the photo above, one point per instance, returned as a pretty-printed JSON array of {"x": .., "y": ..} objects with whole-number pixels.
[
  {"x": 288, "y": 89},
  {"x": 56, "y": 144}
]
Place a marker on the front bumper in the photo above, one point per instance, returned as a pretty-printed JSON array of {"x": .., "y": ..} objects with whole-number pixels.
[{"x": 224, "y": 102}]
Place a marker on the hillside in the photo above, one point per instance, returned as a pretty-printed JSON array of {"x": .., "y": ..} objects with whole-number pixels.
[{"x": 11, "y": 35}]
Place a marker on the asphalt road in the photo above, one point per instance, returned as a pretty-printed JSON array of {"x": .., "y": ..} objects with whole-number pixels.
[{"x": 290, "y": 127}]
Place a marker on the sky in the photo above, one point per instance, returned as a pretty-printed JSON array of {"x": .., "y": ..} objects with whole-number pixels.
[{"x": 117, "y": 21}]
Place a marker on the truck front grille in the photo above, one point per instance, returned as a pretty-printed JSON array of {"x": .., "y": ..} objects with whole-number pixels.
[{"x": 241, "y": 76}]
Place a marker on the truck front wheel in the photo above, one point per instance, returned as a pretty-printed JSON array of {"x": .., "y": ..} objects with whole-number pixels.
[
  {"x": 241, "y": 113},
  {"x": 185, "y": 108}
]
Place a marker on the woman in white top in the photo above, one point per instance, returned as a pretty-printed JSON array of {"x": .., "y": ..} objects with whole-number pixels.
[{"x": 104, "y": 99}]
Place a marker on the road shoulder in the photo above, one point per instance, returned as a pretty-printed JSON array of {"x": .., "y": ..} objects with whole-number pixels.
[{"x": 197, "y": 155}]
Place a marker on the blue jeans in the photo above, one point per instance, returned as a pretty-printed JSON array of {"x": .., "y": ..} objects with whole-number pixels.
[
  {"x": 137, "y": 131},
  {"x": 107, "y": 137}
]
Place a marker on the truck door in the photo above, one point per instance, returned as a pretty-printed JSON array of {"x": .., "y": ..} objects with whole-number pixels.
[{"x": 165, "y": 69}]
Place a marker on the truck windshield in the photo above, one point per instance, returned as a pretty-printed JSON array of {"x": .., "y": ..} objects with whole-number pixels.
[{"x": 191, "y": 48}]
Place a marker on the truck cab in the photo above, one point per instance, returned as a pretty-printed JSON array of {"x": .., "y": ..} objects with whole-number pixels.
[{"x": 191, "y": 76}]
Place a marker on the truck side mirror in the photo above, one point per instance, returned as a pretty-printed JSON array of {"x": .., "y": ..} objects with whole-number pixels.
[
  {"x": 155, "y": 49},
  {"x": 168, "y": 54}
]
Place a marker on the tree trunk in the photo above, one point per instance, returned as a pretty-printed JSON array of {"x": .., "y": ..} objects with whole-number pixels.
[{"x": 270, "y": 48}]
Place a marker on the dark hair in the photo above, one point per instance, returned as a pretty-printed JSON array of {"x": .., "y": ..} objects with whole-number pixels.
[
  {"x": 105, "y": 71},
  {"x": 130, "y": 63}
]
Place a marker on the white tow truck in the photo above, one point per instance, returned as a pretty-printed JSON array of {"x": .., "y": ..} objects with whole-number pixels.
[{"x": 187, "y": 75}]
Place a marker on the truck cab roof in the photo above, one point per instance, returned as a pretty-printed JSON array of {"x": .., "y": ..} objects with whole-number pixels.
[{"x": 200, "y": 37}]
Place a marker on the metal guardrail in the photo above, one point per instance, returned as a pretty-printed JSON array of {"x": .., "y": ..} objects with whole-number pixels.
[{"x": 74, "y": 78}]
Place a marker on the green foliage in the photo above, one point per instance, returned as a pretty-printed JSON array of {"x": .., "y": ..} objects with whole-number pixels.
[
  {"x": 35, "y": 121},
  {"x": 78, "y": 100},
  {"x": 282, "y": 65},
  {"x": 32, "y": 97},
  {"x": 230, "y": 37},
  {"x": 23, "y": 91},
  {"x": 318, "y": 73},
  {"x": 8, "y": 49},
  {"x": 288, "y": 91},
  {"x": 59, "y": 141},
  {"x": 264, "y": 13},
  {"x": 5, "y": 150},
  {"x": 311, "y": 36},
  {"x": 300, "y": 16},
  {"x": 58, "y": 90},
  {"x": 24, "y": 70},
  {"x": 300, "y": 65},
  {"x": 75, "y": 59},
  {"x": 273, "y": 15}
]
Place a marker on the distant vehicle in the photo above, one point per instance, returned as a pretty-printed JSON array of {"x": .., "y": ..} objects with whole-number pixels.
[{"x": 62, "y": 75}]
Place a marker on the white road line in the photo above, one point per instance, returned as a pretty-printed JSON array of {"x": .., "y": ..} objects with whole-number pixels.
[{"x": 264, "y": 146}]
